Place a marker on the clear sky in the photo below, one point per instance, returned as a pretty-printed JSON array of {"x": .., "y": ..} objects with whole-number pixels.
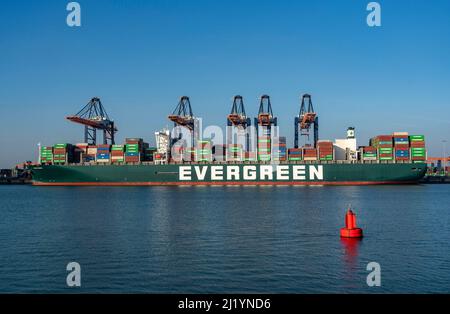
[{"x": 140, "y": 56}]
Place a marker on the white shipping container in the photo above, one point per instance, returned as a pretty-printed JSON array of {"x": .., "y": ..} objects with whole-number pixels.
[{"x": 400, "y": 133}]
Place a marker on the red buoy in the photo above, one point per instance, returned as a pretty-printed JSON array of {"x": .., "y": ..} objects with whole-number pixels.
[{"x": 351, "y": 230}]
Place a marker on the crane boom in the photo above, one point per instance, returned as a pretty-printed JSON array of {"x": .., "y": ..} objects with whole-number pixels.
[{"x": 94, "y": 117}]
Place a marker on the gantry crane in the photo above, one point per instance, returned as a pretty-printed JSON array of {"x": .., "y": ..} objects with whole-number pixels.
[
  {"x": 265, "y": 120},
  {"x": 265, "y": 115},
  {"x": 306, "y": 118},
  {"x": 238, "y": 119},
  {"x": 184, "y": 117},
  {"x": 94, "y": 117}
]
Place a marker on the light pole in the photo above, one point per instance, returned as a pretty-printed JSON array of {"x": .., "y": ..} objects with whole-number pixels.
[
  {"x": 39, "y": 153},
  {"x": 444, "y": 155}
]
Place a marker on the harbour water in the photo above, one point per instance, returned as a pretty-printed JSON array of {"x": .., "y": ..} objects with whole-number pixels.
[{"x": 232, "y": 239}]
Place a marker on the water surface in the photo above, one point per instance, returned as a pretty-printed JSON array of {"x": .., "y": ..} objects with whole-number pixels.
[{"x": 224, "y": 239}]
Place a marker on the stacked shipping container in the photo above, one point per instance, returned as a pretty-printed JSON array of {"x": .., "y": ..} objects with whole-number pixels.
[
  {"x": 295, "y": 154},
  {"x": 264, "y": 144},
  {"x": 309, "y": 153},
  {"x": 133, "y": 149},
  {"x": 369, "y": 153},
  {"x": 249, "y": 156},
  {"x": 117, "y": 153},
  {"x": 325, "y": 150},
  {"x": 417, "y": 146},
  {"x": 401, "y": 146},
  {"x": 280, "y": 149},
  {"x": 383, "y": 144},
  {"x": 91, "y": 153},
  {"x": 62, "y": 153},
  {"x": 189, "y": 154},
  {"x": 234, "y": 152},
  {"x": 204, "y": 151},
  {"x": 103, "y": 153},
  {"x": 46, "y": 155},
  {"x": 80, "y": 151}
]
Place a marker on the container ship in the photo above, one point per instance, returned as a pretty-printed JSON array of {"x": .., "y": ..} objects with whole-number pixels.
[{"x": 254, "y": 154}]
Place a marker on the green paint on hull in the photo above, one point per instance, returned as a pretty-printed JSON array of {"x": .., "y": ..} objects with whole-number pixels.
[{"x": 241, "y": 174}]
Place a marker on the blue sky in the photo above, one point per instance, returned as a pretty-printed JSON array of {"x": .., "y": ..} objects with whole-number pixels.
[{"x": 140, "y": 56}]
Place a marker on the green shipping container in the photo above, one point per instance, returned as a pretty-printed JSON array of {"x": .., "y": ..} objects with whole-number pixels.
[
  {"x": 417, "y": 138},
  {"x": 60, "y": 145}
]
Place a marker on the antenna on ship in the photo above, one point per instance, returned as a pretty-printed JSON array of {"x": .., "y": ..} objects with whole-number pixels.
[
  {"x": 238, "y": 119},
  {"x": 306, "y": 118},
  {"x": 94, "y": 117}
]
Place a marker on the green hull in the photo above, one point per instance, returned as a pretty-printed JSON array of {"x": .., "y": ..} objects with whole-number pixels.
[{"x": 230, "y": 174}]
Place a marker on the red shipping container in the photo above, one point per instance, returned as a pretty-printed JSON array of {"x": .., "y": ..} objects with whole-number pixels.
[
  {"x": 134, "y": 141},
  {"x": 417, "y": 144},
  {"x": 131, "y": 158},
  {"x": 384, "y": 138},
  {"x": 369, "y": 149}
]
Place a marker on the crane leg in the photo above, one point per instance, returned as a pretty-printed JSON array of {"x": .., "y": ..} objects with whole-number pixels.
[{"x": 316, "y": 131}]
